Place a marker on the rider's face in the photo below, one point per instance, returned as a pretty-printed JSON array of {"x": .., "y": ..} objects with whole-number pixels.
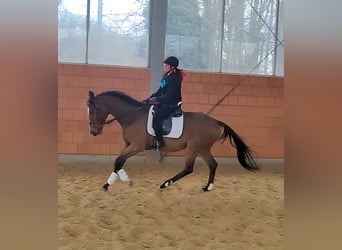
[{"x": 167, "y": 68}]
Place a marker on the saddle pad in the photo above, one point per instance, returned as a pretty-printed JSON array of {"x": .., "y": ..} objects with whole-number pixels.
[{"x": 177, "y": 125}]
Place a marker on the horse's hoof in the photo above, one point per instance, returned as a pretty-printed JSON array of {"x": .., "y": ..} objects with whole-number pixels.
[
  {"x": 166, "y": 184},
  {"x": 208, "y": 188},
  {"x": 105, "y": 187}
]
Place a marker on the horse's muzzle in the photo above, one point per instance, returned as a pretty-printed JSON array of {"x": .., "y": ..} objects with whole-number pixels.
[{"x": 95, "y": 131}]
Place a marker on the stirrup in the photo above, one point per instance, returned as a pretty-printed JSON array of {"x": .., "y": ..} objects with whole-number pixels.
[{"x": 157, "y": 145}]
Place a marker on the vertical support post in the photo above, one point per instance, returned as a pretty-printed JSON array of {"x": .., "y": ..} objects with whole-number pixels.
[{"x": 158, "y": 17}]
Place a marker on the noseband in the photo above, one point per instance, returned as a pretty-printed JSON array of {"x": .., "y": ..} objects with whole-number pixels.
[
  {"x": 101, "y": 124},
  {"x": 98, "y": 124}
]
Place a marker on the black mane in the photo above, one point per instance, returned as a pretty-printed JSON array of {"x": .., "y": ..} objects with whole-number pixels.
[{"x": 122, "y": 96}]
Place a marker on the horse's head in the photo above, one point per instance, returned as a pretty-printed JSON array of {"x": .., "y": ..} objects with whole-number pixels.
[{"x": 97, "y": 115}]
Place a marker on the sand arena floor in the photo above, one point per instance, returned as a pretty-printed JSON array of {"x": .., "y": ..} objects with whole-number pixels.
[{"x": 244, "y": 210}]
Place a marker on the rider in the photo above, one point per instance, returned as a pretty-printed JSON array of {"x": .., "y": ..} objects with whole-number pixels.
[{"x": 167, "y": 98}]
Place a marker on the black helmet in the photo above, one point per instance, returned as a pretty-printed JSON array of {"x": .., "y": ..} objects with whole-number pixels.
[{"x": 172, "y": 60}]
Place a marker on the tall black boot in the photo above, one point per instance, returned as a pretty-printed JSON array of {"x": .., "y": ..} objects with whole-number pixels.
[
  {"x": 159, "y": 142},
  {"x": 158, "y": 129}
]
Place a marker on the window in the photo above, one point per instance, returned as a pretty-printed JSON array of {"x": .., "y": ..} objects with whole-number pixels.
[
  {"x": 250, "y": 36},
  {"x": 243, "y": 36},
  {"x": 194, "y": 33},
  {"x": 233, "y": 36},
  {"x": 117, "y": 34},
  {"x": 279, "y": 68},
  {"x": 72, "y": 33}
]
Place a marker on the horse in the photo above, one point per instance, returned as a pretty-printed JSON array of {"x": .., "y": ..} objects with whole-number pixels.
[{"x": 200, "y": 132}]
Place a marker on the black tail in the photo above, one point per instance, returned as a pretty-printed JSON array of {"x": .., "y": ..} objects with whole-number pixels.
[{"x": 244, "y": 154}]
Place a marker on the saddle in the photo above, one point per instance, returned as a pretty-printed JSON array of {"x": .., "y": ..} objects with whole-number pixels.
[
  {"x": 172, "y": 125},
  {"x": 167, "y": 123}
]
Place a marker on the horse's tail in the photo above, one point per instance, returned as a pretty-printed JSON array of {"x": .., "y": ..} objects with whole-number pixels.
[{"x": 244, "y": 153}]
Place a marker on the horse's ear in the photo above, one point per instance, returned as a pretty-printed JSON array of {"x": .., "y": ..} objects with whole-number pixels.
[{"x": 91, "y": 96}]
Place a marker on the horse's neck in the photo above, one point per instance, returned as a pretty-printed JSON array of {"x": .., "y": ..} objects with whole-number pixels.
[{"x": 120, "y": 109}]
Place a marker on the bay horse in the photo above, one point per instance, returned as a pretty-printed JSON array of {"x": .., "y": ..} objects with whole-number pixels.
[{"x": 200, "y": 132}]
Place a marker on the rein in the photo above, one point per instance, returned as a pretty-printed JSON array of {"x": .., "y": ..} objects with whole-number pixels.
[
  {"x": 102, "y": 124},
  {"x": 107, "y": 122}
]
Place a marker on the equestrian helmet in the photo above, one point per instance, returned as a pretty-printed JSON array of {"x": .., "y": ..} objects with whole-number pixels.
[{"x": 172, "y": 61}]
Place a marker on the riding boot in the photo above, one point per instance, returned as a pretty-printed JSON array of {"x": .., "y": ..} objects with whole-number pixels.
[
  {"x": 158, "y": 129},
  {"x": 159, "y": 142}
]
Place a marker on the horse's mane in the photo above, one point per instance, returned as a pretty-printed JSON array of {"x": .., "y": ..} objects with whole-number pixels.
[{"x": 122, "y": 96}]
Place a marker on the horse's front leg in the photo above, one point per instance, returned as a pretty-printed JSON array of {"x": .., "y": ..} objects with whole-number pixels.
[
  {"x": 119, "y": 172},
  {"x": 189, "y": 165}
]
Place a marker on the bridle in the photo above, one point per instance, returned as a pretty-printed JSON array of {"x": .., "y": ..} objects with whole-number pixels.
[
  {"x": 98, "y": 124},
  {"x": 102, "y": 124}
]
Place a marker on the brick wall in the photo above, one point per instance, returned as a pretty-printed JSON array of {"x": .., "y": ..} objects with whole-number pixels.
[
  {"x": 254, "y": 108},
  {"x": 74, "y": 82}
]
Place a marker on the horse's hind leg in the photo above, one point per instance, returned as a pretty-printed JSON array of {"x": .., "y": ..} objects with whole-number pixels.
[
  {"x": 118, "y": 172},
  {"x": 189, "y": 164},
  {"x": 209, "y": 159}
]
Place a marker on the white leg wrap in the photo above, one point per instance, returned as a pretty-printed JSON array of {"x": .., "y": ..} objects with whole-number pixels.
[
  {"x": 113, "y": 177},
  {"x": 123, "y": 176},
  {"x": 211, "y": 186}
]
